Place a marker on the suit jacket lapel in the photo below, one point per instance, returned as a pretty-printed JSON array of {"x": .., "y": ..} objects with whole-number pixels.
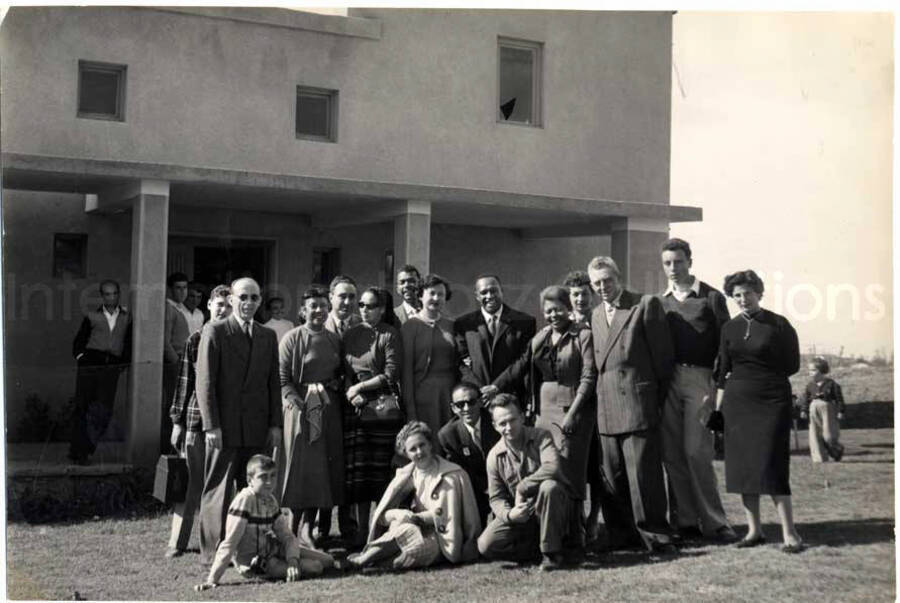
[
  {"x": 485, "y": 337},
  {"x": 622, "y": 316},
  {"x": 502, "y": 327},
  {"x": 255, "y": 350},
  {"x": 238, "y": 340}
]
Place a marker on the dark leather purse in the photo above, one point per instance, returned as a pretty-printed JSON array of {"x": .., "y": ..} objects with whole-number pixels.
[{"x": 381, "y": 406}]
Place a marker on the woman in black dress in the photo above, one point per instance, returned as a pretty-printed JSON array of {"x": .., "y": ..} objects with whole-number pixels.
[{"x": 758, "y": 352}]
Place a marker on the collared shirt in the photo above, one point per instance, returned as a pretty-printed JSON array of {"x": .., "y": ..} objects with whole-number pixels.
[
  {"x": 475, "y": 432},
  {"x": 195, "y": 318},
  {"x": 610, "y": 307},
  {"x": 241, "y": 324},
  {"x": 111, "y": 317},
  {"x": 184, "y": 410},
  {"x": 492, "y": 328},
  {"x": 509, "y": 471},
  {"x": 410, "y": 309},
  {"x": 683, "y": 295}
]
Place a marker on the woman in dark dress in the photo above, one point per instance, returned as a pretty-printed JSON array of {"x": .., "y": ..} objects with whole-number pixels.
[
  {"x": 430, "y": 359},
  {"x": 758, "y": 352},
  {"x": 372, "y": 350},
  {"x": 312, "y": 369}
]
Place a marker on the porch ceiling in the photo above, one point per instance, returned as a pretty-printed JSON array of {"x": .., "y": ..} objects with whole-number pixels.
[{"x": 329, "y": 201}]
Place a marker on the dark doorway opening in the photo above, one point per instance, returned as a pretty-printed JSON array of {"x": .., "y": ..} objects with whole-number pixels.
[{"x": 215, "y": 264}]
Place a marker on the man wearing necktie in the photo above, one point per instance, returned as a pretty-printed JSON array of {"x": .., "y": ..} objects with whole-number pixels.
[
  {"x": 467, "y": 438},
  {"x": 634, "y": 358},
  {"x": 342, "y": 317},
  {"x": 492, "y": 338},
  {"x": 239, "y": 396}
]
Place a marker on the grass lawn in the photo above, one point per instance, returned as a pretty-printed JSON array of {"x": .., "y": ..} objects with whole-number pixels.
[{"x": 849, "y": 527}]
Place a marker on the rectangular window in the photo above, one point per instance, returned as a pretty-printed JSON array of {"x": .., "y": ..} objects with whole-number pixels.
[
  {"x": 317, "y": 114},
  {"x": 326, "y": 264},
  {"x": 101, "y": 90},
  {"x": 519, "y": 82},
  {"x": 69, "y": 255}
]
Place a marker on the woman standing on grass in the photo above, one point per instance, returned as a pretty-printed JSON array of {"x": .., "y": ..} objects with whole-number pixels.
[
  {"x": 311, "y": 365},
  {"x": 758, "y": 352},
  {"x": 373, "y": 353}
]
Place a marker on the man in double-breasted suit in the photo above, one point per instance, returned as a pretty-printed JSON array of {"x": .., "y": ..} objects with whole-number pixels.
[
  {"x": 490, "y": 339},
  {"x": 239, "y": 396},
  {"x": 634, "y": 358},
  {"x": 467, "y": 438}
]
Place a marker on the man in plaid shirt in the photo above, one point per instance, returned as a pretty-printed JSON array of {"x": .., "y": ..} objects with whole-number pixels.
[{"x": 187, "y": 427}]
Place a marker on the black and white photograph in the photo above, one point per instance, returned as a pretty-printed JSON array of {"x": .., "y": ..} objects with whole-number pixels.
[{"x": 425, "y": 303}]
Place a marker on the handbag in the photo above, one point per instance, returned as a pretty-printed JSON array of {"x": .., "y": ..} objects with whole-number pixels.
[
  {"x": 170, "y": 481},
  {"x": 385, "y": 406}
]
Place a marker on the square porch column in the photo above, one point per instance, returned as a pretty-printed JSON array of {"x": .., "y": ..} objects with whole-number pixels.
[
  {"x": 635, "y": 248},
  {"x": 149, "y": 238},
  {"x": 412, "y": 236}
]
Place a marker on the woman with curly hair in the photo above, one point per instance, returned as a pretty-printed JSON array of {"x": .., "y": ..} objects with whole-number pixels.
[
  {"x": 758, "y": 351},
  {"x": 441, "y": 522}
]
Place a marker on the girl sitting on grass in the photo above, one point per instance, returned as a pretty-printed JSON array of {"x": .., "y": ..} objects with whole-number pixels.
[
  {"x": 823, "y": 402},
  {"x": 258, "y": 538}
]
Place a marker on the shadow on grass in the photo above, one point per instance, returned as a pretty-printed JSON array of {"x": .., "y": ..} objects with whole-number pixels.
[
  {"x": 840, "y": 533},
  {"x": 869, "y": 415}
]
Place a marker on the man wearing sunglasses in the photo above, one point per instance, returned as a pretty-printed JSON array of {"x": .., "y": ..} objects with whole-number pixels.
[
  {"x": 239, "y": 395},
  {"x": 467, "y": 438}
]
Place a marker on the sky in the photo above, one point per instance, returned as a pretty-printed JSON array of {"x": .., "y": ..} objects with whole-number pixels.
[{"x": 782, "y": 132}]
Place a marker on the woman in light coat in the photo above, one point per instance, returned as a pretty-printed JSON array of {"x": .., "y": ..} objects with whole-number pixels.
[{"x": 441, "y": 523}]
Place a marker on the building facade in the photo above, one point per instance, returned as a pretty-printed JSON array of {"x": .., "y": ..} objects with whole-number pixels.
[{"x": 291, "y": 145}]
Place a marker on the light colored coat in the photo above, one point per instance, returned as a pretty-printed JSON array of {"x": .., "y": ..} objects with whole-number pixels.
[{"x": 451, "y": 501}]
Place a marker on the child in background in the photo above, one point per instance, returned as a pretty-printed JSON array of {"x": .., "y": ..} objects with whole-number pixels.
[
  {"x": 258, "y": 538},
  {"x": 823, "y": 402},
  {"x": 277, "y": 322}
]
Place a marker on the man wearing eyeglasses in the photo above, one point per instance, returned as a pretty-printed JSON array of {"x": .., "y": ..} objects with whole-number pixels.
[
  {"x": 239, "y": 395},
  {"x": 467, "y": 438}
]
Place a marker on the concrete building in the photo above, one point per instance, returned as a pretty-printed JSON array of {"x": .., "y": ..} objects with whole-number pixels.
[{"x": 292, "y": 145}]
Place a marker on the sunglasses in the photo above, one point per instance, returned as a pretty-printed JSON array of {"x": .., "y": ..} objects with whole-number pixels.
[
  {"x": 252, "y": 297},
  {"x": 463, "y": 403},
  {"x": 369, "y": 306}
]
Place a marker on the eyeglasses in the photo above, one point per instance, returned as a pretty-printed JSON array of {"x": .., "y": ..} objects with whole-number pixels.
[
  {"x": 459, "y": 405},
  {"x": 369, "y": 306},
  {"x": 251, "y": 297}
]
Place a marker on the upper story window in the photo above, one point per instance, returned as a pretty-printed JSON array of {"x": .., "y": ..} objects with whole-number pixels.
[
  {"x": 317, "y": 114},
  {"x": 519, "y": 82},
  {"x": 101, "y": 90}
]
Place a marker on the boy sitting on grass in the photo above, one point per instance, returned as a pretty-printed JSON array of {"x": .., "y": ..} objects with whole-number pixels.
[{"x": 258, "y": 538}]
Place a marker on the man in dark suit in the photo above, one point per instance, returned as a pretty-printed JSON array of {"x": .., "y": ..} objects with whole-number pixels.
[
  {"x": 492, "y": 338},
  {"x": 408, "y": 280},
  {"x": 101, "y": 348},
  {"x": 467, "y": 438},
  {"x": 239, "y": 396},
  {"x": 634, "y": 358}
]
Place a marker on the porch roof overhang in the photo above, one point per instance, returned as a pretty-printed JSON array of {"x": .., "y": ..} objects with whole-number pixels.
[{"x": 333, "y": 202}]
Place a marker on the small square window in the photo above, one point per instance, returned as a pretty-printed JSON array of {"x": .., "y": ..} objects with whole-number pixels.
[
  {"x": 101, "y": 90},
  {"x": 317, "y": 114},
  {"x": 519, "y": 82},
  {"x": 69, "y": 255}
]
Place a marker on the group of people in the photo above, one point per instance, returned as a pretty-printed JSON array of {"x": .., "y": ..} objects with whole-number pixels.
[{"x": 496, "y": 432}]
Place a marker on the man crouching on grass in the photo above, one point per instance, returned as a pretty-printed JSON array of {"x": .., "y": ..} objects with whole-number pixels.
[
  {"x": 258, "y": 538},
  {"x": 531, "y": 499}
]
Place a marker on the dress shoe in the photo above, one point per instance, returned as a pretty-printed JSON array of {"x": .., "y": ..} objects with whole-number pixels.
[
  {"x": 551, "y": 562},
  {"x": 172, "y": 552},
  {"x": 663, "y": 548},
  {"x": 837, "y": 451},
  {"x": 725, "y": 534},
  {"x": 793, "y": 549},
  {"x": 748, "y": 543},
  {"x": 689, "y": 533}
]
